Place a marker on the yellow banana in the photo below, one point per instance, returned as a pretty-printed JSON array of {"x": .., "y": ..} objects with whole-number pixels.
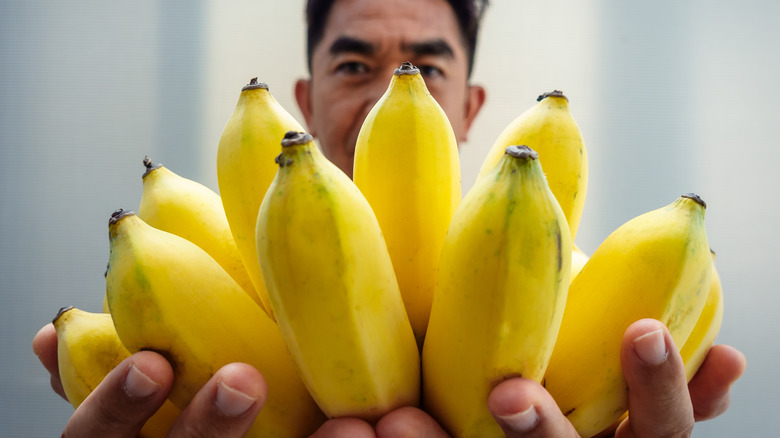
[
  {"x": 88, "y": 348},
  {"x": 500, "y": 295},
  {"x": 193, "y": 211},
  {"x": 549, "y": 128},
  {"x": 656, "y": 265},
  {"x": 332, "y": 287},
  {"x": 698, "y": 343},
  {"x": 168, "y": 295},
  {"x": 707, "y": 327},
  {"x": 105, "y": 303},
  {"x": 245, "y": 168},
  {"x": 407, "y": 166}
]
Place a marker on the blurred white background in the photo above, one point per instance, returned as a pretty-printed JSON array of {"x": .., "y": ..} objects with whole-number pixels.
[{"x": 672, "y": 97}]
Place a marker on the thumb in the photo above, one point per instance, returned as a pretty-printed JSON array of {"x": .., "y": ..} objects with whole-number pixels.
[
  {"x": 128, "y": 396},
  {"x": 524, "y": 409},
  {"x": 658, "y": 398}
]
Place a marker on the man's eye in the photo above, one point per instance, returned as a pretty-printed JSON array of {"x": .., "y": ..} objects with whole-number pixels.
[
  {"x": 430, "y": 71},
  {"x": 352, "y": 68}
]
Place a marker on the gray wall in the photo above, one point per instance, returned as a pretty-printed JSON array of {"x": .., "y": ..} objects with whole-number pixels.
[{"x": 672, "y": 97}]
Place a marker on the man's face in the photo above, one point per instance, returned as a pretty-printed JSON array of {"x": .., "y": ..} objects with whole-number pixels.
[{"x": 363, "y": 43}]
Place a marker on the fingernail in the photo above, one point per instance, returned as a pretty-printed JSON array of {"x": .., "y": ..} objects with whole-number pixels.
[
  {"x": 138, "y": 384},
  {"x": 231, "y": 401},
  {"x": 521, "y": 421},
  {"x": 651, "y": 347}
]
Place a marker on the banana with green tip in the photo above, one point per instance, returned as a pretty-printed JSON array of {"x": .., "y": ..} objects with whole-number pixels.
[
  {"x": 549, "y": 128},
  {"x": 500, "y": 294},
  {"x": 407, "y": 166},
  {"x": 193, "y": 211},
  {"x": 167, "y": 295},
  {"x": 245, "y": 168},
  {"x": 656, "y": 265},
  {"x": 88, "y": 348},
  {"x": 332, "y": 288}
]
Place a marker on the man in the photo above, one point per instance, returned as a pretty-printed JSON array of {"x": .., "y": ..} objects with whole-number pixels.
[{"x": 353, "y": 48}]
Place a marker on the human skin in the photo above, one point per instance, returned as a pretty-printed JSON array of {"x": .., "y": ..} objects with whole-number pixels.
[{"x": 343, "y": 86}]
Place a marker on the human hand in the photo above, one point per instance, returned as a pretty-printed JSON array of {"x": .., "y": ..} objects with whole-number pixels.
[
  {"x": 122, "y": 403},
  {"x": 660, "y": 401},
  {"x": 133, "y": 391}
]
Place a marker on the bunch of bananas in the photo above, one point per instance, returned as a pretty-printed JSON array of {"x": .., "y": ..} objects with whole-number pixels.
[{"x": 354, "y": 298}]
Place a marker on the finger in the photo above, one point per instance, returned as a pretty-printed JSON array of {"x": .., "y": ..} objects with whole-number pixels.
[
  {"x": 226, "y": 406},
  {"x": 658, "y": 399},
  {"x": 345, "y": 428},
  {"x": 710, "y": 386},
  {"x": 44, "y": 346},
  {"x": 125, "y": 399},
  {"x": 523, "y": 408},
  {"x": 409, "y": 422}
]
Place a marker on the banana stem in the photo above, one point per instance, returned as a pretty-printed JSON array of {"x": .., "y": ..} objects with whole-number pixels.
[
  {"x": 696, "y": 198},
  {"x": 60, "y": 313},
  {"x": 406, "y": 68},
  {"x": 117, "y": 215},
  {"x": 522, "y": 151},
  {"x": 554, "y": 93},
  {"x": 150, "y": 166},
  {"x": 294, "y": 138},
  {"x": 254, "y": 85}
]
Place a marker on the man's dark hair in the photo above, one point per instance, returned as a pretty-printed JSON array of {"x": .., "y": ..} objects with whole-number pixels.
[{"x": 467, "y": 12}]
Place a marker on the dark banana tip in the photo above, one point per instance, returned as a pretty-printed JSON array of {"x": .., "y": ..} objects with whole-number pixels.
[
  {"x": 554, "y": 93},
  {"x": 696, "y": 198},
  {"x": 150, "y": 166},
  {"x": 294, "y": 138},
  {"x": 406, "y": 68},
  {"x": 521, "y": 151},
  {"x": 254, "y": 85},
  {"x": 60, "y": 313},
  {"x": 118, "y": 214}
]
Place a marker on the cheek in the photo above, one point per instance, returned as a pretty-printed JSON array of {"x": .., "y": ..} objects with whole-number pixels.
[
  {"x": 324, "y": 105},
  {"x": 334, "y": 117},
  {"x": 337, "y": 120}
]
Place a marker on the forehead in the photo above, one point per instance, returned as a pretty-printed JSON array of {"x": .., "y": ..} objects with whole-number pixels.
[{"x": 391, "y": 23}]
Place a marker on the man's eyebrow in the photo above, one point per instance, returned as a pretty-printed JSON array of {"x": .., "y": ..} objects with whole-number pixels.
[
  {"x": 345, "y": 44},
  {"x": 432, "y": 47}
]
